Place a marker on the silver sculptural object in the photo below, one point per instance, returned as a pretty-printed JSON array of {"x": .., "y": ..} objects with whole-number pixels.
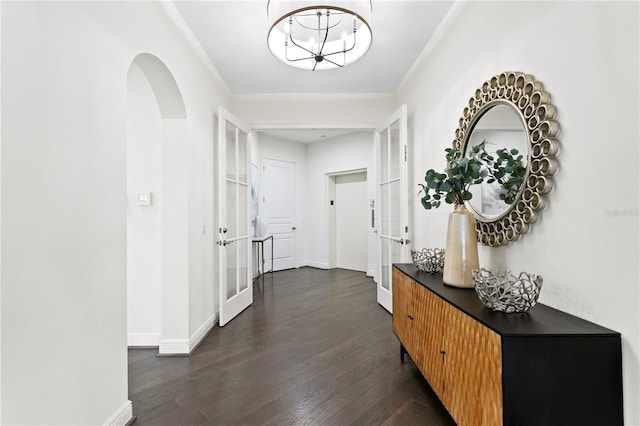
[
  {"x": 511, "y": 106},
  {"x": 502, "y": 291},
  {"x": 428, "y": 260}
]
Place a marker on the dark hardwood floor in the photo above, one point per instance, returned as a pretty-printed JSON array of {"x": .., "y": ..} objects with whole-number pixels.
[{"x": 314, "y": 349}]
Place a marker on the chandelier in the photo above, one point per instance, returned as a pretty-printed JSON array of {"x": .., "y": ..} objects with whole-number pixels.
[{"x": 319, "y": 35}]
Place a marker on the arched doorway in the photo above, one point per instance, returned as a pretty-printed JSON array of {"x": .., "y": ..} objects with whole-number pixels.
[{"x": 157, "y": 210}]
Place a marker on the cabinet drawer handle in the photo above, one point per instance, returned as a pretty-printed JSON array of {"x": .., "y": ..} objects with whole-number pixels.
[{"x": 410, "y": 317}]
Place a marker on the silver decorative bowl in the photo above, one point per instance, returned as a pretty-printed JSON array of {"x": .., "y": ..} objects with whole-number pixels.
[
  {"x": 428, "y": 260},
  {"x": 501, "y": 291}
]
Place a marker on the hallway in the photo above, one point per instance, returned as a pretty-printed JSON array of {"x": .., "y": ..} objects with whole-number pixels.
[{"x": 314, "y": 348}]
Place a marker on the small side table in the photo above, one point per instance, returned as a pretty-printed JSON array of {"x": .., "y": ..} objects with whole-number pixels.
[{"x": 259, "y": 241}]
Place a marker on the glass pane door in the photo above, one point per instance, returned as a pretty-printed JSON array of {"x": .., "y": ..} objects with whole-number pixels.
[
  {"x": 391, "y": 142},
  {"x": 234, "y": 243}
]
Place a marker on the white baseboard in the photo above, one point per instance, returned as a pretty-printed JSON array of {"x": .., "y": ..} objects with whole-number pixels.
[
  {"x": 319, "y": 265},
  {"x": 122, "y": 416},
  {"x": 143, "y": 339},
  {"x": 202, "y": 331},
  {"x": 370, "y": 273},
  {"x": 173, "y": 347},
  {"x": 186, "y": 346}
]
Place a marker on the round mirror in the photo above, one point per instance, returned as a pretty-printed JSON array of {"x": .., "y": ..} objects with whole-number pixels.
[
  {"x": 499, "y": 126},
  {"x": 511, "y": 110}
]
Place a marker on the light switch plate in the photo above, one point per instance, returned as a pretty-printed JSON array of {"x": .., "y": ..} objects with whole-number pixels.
[{"x": 144, "y": 198}]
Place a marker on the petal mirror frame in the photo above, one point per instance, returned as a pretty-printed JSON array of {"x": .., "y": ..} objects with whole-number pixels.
[{"x": 526, "y": 98}]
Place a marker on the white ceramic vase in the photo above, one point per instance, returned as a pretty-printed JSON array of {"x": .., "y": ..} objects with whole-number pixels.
[{"x": 461, "y": 253}]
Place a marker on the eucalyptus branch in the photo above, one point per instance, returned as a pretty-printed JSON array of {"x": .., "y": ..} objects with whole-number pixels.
[{"x": 506, "y": 168}]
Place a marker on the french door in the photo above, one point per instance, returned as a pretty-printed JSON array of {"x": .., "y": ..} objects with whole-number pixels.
[
  {"x": 392, "y": 208},
  {"x": 234, "y": 252}
]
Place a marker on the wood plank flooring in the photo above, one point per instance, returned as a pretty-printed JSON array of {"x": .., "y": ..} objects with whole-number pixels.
[{"x": 315, "y": 348}]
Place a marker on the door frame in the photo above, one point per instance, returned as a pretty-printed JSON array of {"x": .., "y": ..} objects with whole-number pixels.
[
  {"x": 330, "y": 192},
  {"x": 232, "y": 307},
  {"x": 384, "y": 296}
]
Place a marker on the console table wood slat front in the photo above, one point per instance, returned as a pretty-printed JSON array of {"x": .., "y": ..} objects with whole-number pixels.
[{"x": 543, "y": 367}]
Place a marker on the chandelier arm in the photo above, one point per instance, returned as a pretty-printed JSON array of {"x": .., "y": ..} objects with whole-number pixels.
[
  {"x": 343, "y": 51},
  {"x": 326, "y": 34},
  {"x": 299, "y": 59},
  {"x": 334, "y": 63},
  {"x": 299, "y": 46},
  {"x": 355, "y": 32}
]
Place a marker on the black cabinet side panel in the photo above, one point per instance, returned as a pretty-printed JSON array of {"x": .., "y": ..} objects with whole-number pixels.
[{"x": 564, "y": 381}]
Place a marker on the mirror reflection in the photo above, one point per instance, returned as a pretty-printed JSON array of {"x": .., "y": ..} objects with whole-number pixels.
[{"x": 501, "y": 127}]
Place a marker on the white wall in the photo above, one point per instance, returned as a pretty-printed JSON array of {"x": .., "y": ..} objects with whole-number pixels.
[
  {"x": 144, "y": 232},
  {"x": 64, "y": 78},
  {"x": 585, "y": 244},
  {"x": 300, "y": 110}
]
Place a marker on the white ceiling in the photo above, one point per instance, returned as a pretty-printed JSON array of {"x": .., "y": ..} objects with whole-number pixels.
[
  {"x": 234, "y": 36},
  {"x": 308, "y": 135}
]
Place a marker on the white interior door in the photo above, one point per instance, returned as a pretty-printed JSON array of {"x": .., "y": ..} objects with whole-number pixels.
[
  {"x": 279, "y": 206},
  {"x": 236, "y": 291},
  {"x": 392, "y": 208}
]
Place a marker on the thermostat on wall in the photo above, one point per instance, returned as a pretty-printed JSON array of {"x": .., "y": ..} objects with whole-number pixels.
[{"x": 144, "y": 198}]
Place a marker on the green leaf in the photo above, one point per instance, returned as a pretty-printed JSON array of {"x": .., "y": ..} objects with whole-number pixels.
[
  {"x": 450, "y": 198},
  {"x": 505, "y": 168}
]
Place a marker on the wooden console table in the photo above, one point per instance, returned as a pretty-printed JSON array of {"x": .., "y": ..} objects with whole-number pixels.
[{"x": 544, "y": 367}]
